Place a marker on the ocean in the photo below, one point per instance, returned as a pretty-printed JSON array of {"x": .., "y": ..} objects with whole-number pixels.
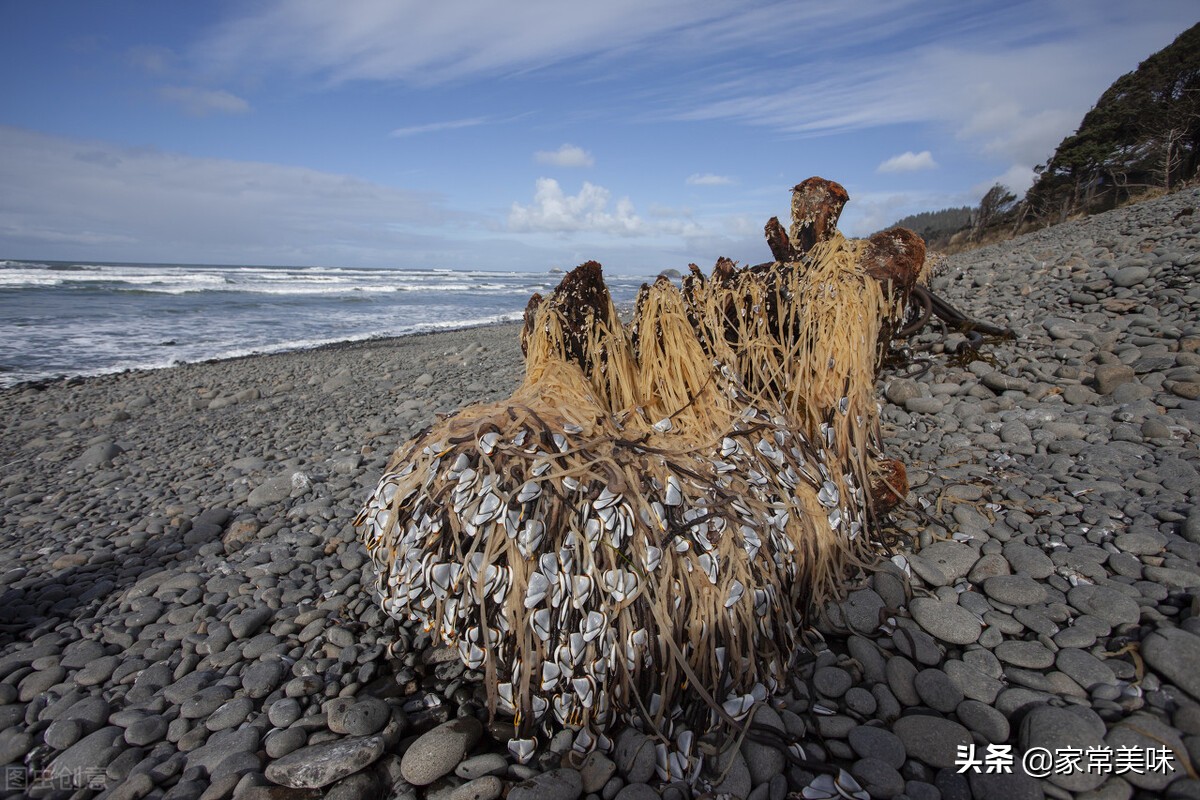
[{"x": 63, "y": 319}]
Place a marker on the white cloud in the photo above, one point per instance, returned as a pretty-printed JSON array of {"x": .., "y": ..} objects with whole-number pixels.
[
  {"x": 566, "y": 156},
  {"x": 555, "y": 211},
  {"x": 437, "y": 127},
  {"x": 202, "y": 102},
  {"x": 67, "y": 197},
  {"x": 708, "y": 179},
  {"x": 908, "y": 161}
]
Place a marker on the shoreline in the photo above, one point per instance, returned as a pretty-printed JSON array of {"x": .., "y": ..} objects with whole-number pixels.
[{"x": 63, "y": 378}]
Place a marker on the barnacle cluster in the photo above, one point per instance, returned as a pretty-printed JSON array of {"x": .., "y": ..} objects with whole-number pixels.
[{"x": 636, "y": 535}]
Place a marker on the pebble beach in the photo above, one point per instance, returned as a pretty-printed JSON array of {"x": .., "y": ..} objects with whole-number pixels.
[{"x": 185, "y": 610}]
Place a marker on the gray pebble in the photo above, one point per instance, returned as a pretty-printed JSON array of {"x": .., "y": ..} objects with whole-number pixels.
[
  {"x": 832, "y": 682},
  {"x": 937, "y": 690},
  {"x": 1031, "y": 655},
  {"x": 557, "y": 784},
  {"x": 1105, "y": 603},
  {"x": 635, "y": 756},
  {"x": 480, "y": 765},
  {"x": 637, "y": 791},
  {"x": 487, "y": 787},
  {"x": 984, "y": 720},
  {"x": 595, "y": 771},
  {"x": 877, "y": 777},
  {"x": 871, "y": 742},
  {"x": 284, "y": 712},
  {"x": 231, "y": 713},
  {"x": 319, "y": 765},
  {"x": 262, "y": 677},
  {"x": 949, "y": 622},
  {"x": 1174, "y": 653},
  {"x": 933, "y": 740},
  {"x": 1014, "y": 590},
  {"x": 1056, "y": 728},
  {"x": 146, "y": 731},
  {"x": 437, "y": 752},
  {"x": 281, "y": 742},
  {"x": 763, "y": 761}
]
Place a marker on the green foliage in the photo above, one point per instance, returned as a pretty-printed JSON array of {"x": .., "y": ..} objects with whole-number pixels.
[{"x": 1143, "y": 132}]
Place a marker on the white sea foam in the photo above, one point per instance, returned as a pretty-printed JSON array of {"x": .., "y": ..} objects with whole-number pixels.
[{"x": 90, "y": 319}]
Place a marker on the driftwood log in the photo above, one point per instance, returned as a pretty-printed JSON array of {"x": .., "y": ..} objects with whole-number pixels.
[{"x": 637, "y": 536}]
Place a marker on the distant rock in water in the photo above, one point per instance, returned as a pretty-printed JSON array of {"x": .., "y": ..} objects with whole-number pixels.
[{"x": 673, "y": 274}]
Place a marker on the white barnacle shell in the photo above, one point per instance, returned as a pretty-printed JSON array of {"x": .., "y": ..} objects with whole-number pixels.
[
  {"x": 531, "y": 490},
  {"x": 663, "y": 425},
  {"x": 738, "y": 706},
  {"x": 581, "y": 589},
  {"x": 551, "y": 674},
  {"x": 535, "y": 593},
  {"x": 652, "y": 558},
  {"x": 487, "y": 442},
  {"x": 585, "y": 690},
  {"x": 530, "y": 537},
  {"x": 592, "y": 625},
  {"x": 828, "y": 496},
  {"x": 540, "y": 621},
  {"x": 620, "y": 584},
  {"x": 736, "y": 591},
  {"x": 674, "y": 494},
  {"x": 522, "y": 749},
  {"x": 606, "y": 499}
]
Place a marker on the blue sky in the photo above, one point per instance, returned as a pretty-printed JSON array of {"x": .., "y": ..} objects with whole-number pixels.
[{"x": 524, "y": 135}]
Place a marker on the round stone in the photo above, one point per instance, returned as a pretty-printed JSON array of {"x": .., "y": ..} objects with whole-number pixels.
[
  {"x": 1014, "y": 590},
  {"x": 322, "y": 764},
  {"x": 934, "y": 740},
  {"x": 146, "y": 731},
  {"x": 871, "y": 742},
  {"x": 1104, "y": 602},
  {"x": 557, "y": 784},
  {"x": 437, "y": 752},
  {"x": 363, "y": 718},
  {"x": 949, "y": 622},
  {"x": 1030, "y": 655},
  {"x": 937, "y": 690},
  {"x": 1054, "y": 729},
  {"x": 879, "y": 779},
  {"x": 284, "y": 712},
  {"x": 984, "y": 720},
  {"x": 832, "y": 681}
]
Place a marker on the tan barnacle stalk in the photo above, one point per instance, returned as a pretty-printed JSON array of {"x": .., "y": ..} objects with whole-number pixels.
[{"x": 636, "y": 535}]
